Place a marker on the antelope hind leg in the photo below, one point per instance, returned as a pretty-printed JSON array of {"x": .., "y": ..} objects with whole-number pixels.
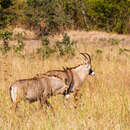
[{"x": 14, "y": 106}]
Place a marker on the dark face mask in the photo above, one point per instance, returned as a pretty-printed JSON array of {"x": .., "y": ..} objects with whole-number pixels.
[{"x": 91, "y": 72}]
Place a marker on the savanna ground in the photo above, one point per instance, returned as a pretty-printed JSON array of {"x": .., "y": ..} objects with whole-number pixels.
[{"x": 104, "y": 100}]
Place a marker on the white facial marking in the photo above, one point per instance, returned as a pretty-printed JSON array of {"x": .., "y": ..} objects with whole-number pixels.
[
  {"x": 86, "y": 61},
  {"x": 89, "y": 66},
  {"x": 67, "y": 96},
  {"x": 92, "y": 73}
]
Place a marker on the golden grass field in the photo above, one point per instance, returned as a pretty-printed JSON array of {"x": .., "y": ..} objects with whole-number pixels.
[{"x": 104, "y": 100}]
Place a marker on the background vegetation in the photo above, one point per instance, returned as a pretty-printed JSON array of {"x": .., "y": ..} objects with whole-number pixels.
[
  {"x": 49, "y": 16},
  {"x": 103, "y": 101}
]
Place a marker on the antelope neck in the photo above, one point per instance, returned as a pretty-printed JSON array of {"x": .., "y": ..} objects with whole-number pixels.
[{"x": 82, "y": 71}]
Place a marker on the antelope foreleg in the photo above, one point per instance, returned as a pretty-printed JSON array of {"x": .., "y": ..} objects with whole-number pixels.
[
  {"x": 76, "y": 98},
  {"x": 42, "y": 102},
  {"x": 49, "y": 105}
]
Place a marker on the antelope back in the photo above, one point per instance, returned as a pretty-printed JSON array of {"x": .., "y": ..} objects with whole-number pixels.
[
  {"x": 65, "y": 75},
  {"x": 30, "y": 89},
  {"x": 62, "y": 76}
]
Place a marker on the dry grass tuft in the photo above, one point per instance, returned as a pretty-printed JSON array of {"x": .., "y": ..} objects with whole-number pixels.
[{"x": 104, "y": 100}]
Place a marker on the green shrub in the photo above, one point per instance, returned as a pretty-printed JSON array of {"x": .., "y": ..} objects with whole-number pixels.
[
  {"x": 109, "y": 15},
  {"x": 60, "y": 48},
  {"x": 4, "y": 49},
  {"x": 45, "y": 42},
  {"x": 19, "y": 47},
  {"x": 99, "y": 51},
  {"x": 114, "y": 41},
  {"x": 65, "y": 46},
  {"x": 50, "y": 16},
  {"x": 5, "y": 36},
  {"x": 45, "y": 50},
  {"x": 7, "y": 13},
  {"x": 122, "y": 50},
  {"x": 49, "y": 12}
]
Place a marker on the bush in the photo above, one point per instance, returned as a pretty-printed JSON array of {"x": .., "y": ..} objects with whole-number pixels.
[
  {"x": 7, "y": 14},
  {"x": 19, "y": 47},
  {"x": 109, "y": 15},
  {"x": 85, "y": 14},
  {"x": 56, "y": 15},
  {"x": 60, "y": 48},
  {"x": 48, "y": 15},
  {"x": 45, "y": 49},
  {"x": 5, "y": 36},
  {"x": 114, "y": 41},
  {"x": 65, "y": 46}
]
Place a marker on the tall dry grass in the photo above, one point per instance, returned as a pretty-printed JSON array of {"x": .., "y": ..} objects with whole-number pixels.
[{"x": 104, "y": 100}]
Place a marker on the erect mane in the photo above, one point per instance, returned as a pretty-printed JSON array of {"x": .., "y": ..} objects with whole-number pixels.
[
  {"x": 55, "y": 70},
  {"x": 74, "y": 67}
]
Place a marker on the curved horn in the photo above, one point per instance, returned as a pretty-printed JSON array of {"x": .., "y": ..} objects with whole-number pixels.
[
  {"x": 88, "y": 56},
  {"x": 84, "y": 54}
]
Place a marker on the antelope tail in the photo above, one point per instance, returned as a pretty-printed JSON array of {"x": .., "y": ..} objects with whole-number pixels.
[{"x": 13, "y": 93}]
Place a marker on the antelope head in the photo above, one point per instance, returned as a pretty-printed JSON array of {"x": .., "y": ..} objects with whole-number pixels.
[{"x": 87, "y": 62}]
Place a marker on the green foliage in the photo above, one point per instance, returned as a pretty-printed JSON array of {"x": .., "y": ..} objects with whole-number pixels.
[
  {"x": 109, "y": 15},
  {"x": 55, "y": 15},
  {"x": 5, "y": 36},
  {"x": 122, "y": 50},
  {"x": 7, "y": 12},
  {"x": 19, "y": 47},
  {"x": 45, "y": 49},
  {"x": 114, "y": 41},
  {"x": 86, "y": 14},
  {"x": 99, "y": 51},
  {"x": 5, "y": 3},
  {"x": 47, "y": 52},
  {"x": 61, "y": 48},
  {"x": 45, "y": 42},
  {"x": 65, "y": 46},
  {"x": 49, "y": 12},
  {"x": 5, "y": 49}
]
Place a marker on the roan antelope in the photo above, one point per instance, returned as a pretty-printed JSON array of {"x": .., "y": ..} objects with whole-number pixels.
[
  {"x": 36, "y": 89},
  {"x": 75, "y": 75},
  {"x": 80, "y": 73}
]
